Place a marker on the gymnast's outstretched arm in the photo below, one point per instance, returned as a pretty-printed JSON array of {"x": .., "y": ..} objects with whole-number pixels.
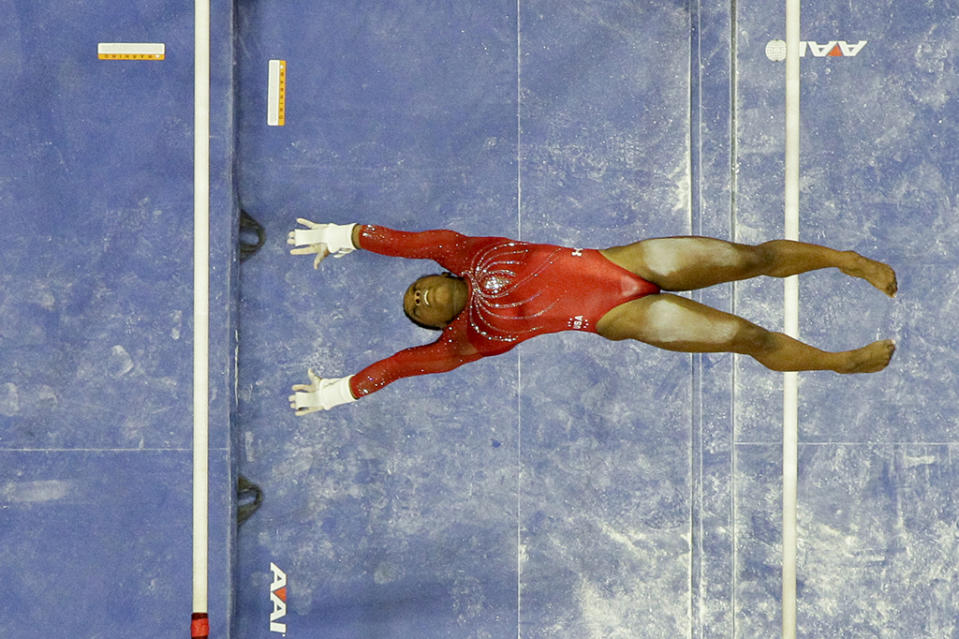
[
  {"x": 441, "y": 356},
  {"x": 450, "y": 249}
]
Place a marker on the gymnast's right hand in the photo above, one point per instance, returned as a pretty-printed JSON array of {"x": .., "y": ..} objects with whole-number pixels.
[{"x": 321, "y": 239}]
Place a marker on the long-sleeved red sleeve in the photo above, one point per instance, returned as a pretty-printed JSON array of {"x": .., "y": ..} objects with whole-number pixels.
[
  {"x": 452, "y": 250},
  {"x": 441, "y": 356}
]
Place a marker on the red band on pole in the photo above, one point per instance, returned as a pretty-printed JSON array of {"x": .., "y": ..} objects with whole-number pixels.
[{"x": 200, "y": 628}]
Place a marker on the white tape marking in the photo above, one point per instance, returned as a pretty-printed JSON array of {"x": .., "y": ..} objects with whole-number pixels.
[
  {"x": 276, "y": 98},
  {"x": 131, "y": 51}
]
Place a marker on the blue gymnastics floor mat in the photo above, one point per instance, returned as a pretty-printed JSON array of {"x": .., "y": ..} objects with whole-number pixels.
[
  {"x": 96, "y": 321},
  {"x": 574, "y": 487}
]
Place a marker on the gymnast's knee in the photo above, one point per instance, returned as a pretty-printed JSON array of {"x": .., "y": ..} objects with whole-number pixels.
[
  {"x": 751, "y": 339},
  {"x": 762, "y": 257}
]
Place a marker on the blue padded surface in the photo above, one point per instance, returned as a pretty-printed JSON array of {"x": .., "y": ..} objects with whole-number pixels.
[
  {"x": 577, "y": 487},
  {"x": 574, "y": 487},
  {"x": 515, "y": 504},
  {"x": 877, "y": 163},
  {"x": 96, "y": 321}
]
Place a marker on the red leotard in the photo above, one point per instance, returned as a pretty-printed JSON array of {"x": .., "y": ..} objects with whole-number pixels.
[{"x": 516, "y": 290}]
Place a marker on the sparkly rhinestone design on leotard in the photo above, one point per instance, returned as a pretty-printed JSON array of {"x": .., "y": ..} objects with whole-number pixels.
[{"x": 498, "y": 293}]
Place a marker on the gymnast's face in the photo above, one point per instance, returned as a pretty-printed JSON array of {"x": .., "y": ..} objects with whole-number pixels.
[{"x": 434, "y": 300}]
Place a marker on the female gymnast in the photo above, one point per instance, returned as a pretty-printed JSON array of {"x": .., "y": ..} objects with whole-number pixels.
[{"x": 499, "y": 292}]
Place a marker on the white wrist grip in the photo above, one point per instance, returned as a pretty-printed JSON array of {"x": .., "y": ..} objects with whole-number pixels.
[
  {"x": 338, "y": 238},
  {"x": 329, "y": 393}
]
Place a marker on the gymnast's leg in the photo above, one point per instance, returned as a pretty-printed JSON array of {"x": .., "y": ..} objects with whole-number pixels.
[
  {"x": 687, "y": 263},
  {"x": 679, "y": 324}
]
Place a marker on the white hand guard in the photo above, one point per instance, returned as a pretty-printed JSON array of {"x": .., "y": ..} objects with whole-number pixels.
[
  {"x": 321, "y": 394},
  {"x": 338, "y": 238}
]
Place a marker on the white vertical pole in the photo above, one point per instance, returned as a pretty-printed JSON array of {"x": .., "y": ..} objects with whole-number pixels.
[
  {"x": 519, "y": 357},
  {"x": 201, "y": 307},
  {"x": 791, "y": 328}
]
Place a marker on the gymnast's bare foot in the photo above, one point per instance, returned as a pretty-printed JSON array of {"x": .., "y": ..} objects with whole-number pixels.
[
  {"x": 869, "y": 359},
  {"x": 876, "y": 273}
]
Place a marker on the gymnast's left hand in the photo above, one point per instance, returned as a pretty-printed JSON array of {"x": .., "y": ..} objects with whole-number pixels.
[
  {"x": 320, "y": 394},
  {"x": 305, "y": 399}
]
